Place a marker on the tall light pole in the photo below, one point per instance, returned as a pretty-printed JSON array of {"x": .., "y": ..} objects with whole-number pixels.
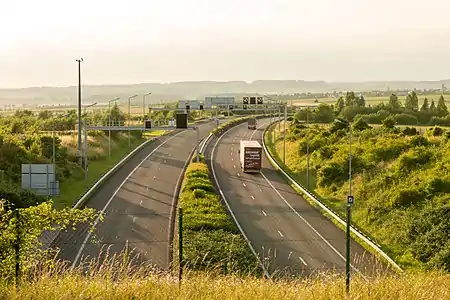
[
  {"x": 284, "y": 135},
  {"x": 350, "y": 201},
  {"x": 80, "y": 60},
  {"x": 86, "y": 145},
  {"x": 109, "y": 124},
  {"x": 143, "y": 105},
  {"x": 307, "y": 149},
  {"x": 129, "y": 119}
]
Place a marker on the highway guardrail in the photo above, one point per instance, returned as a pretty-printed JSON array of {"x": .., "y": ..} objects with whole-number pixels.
[{"x": 326, "y": 208}]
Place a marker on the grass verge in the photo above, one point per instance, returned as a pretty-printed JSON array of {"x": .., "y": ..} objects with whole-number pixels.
[
  {"x": 115, "y": 279},
  {"x": 211, "y": 241},
  {"x": 98, "y": 164}
]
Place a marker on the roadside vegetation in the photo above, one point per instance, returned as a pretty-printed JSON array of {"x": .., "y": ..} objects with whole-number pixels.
[
  {"x": 401, "y": 179},
  {"x": 27, "y": 137},
  {"x": 211, "y": 240},
  {"x": 116, "y": 280}
]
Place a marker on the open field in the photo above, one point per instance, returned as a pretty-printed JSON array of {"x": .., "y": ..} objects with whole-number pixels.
[{"x": 369, "y": 100}]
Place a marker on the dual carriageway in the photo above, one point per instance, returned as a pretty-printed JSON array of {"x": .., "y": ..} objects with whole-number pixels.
[{"x": 138, "y": 201}]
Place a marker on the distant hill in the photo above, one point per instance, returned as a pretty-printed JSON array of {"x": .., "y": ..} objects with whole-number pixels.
[{"x": 197, "y": 89}]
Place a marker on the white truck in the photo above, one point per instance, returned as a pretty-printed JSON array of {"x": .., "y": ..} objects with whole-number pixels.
[{"x": 250, "y": 155}]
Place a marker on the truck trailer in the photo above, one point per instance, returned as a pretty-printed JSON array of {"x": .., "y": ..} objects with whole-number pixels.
[
  {"x": 251, "y": 123},
  {"x": 250, "y": 155}
]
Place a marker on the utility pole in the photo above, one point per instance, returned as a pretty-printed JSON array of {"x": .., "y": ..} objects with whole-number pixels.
[
  {"x": 307, "y": 149},
  {"x": 86, "y": 145},
  {"x": 350, "y": 201},
  {"x": 129, "y": 119},
  {"x": 284, "y": 135},
  {"x": 109, "y": 124},
  {"x": 79, "y": 112},
  {"x": 143, "y": 104}
]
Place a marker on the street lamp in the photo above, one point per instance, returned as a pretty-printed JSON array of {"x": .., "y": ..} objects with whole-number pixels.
[
  {"x": 86, "y": 145},
  {"x": 129, "y": 119},
  {"x": 143, "y": 105},
  {"x": 307, "y": 148},
  {"x": 350, "y": 201},
  {"x": 109, "y": 124},
  {"x": 80, "y": 60}
]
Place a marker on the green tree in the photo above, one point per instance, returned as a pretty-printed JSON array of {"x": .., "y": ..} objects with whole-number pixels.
[
  {"x": 441, "y": 108},
  {"x": 350, "y": 99},
  {"x": 412, "y": 102},
  {"x": 425, "y": 106},
  {"x": 361, "y": 101},
  {"x": 432, "y": 106},
  {"x": 25, "y": 225},
  {"x": 323, "y": 113},
  {"x": 394, "y": 102},
  {"x": 340, "y": 104},
  {"x": 389, "y": 122}
]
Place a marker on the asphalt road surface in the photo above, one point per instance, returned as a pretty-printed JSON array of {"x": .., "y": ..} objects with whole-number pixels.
[
  {"x": 290, "y": 236},
  {"x": 137, "y": 201}
]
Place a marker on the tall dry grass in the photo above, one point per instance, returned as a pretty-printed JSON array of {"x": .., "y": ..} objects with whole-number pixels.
[{"x": 118, "y": 277}]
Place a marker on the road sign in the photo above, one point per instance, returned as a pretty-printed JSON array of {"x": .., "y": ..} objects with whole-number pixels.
[
  {"x": 40, "y": 178},
  {"x": 245, "y": 100},
  {"x": 252, "y": 100},
  {"x": 259, "y": 100},
  {"x": 193, "y": 104},
  {"x": 219, "y": 100},
  {"x": 350, "y": 199}
]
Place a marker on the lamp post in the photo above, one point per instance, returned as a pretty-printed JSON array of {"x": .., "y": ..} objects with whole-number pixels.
[
  {"x": 350, "y": 201},
  {"x": 86, "y": 145},
  {"x": 80, "y": 60},
  {"x": 284, "y": 134},
  {"x": 143, "y": 105},
  {"x": 109, "y": 124},
  {"x": 129, "y": 119},
  {"x": 307, "y": 149}
]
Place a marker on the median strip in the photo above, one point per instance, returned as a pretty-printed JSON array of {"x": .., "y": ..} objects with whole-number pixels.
[{"x": 211, "y": 241}]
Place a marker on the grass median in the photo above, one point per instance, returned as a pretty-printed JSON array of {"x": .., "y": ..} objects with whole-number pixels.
[{"x": 211, "y": 241}]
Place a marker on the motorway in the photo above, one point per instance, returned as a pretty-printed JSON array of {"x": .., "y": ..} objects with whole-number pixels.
[
  {"x": 138, "y": 202},
  {"x": 290, "y": 236}
]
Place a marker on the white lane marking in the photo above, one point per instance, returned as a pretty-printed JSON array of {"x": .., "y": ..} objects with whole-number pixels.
[
  {"x": 140, "y": 203},
  {"x": 279, "y": 232},
  {"x": 253, "y": 197},
  {"x": 289, "y": 256},
  {"x": 302, "y": 260},
  {"x": 231, "y": 153},
  {"x": 134, "y": 219},
  {"x": 264, "y": 213},
  {"x": 306, "y": 222},
  {"x": 238, "y": 174},
  {"x": 88, "y": 235},
  {"x": 251, "y": 136},
  {"x": 244, "y": 184},
  {"x": 229, "y": 208}
]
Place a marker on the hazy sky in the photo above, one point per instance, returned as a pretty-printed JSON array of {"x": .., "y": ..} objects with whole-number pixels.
[{"x": 175, "y": 40}]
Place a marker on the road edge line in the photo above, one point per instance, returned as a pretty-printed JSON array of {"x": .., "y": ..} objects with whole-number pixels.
[
  {"x": 87, "y": 194},
  {"x": 355, "y": 231}
]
